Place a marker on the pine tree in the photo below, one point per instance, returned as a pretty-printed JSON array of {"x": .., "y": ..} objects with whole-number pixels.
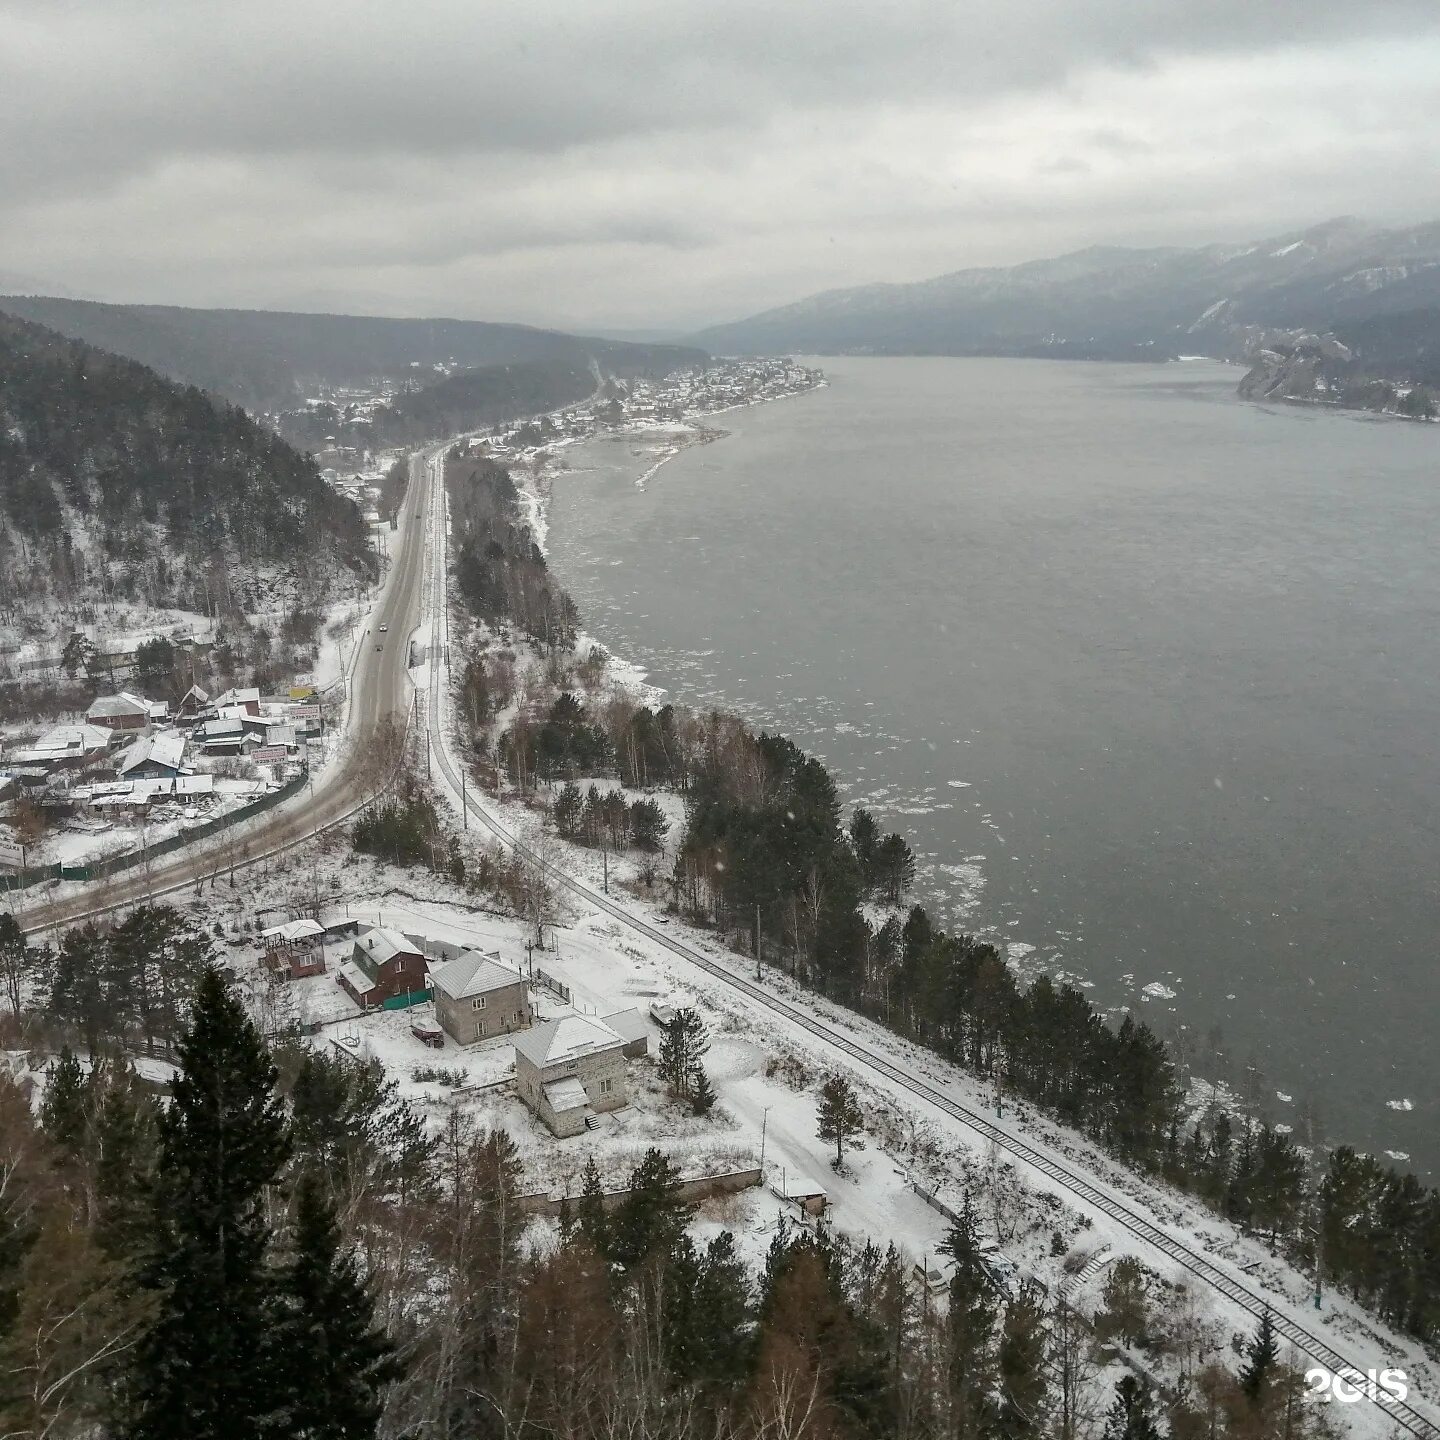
[
  {"x": 19, "y": 963},
  {"x": 706, "y": 1313},
  {"x": 64, "y": 1112},
  {"x": 205, "y": 1369},
  {"x": 590, "y": 1214},
  {"x": 334, "y": 1361},
  {"x": 702, "y": 1092},
  {"x": 1262, "y": 1360},
  {"x": 1020, "y": 1360},
  {"x": 652, "y": 1216},
  {"x": 125, "y": 1144},
  {"x": 682, "y": 1047},
  {"x": 569, "y": 810},
  {"x": 864, "y": 841},
  {"x": 1132, "y": 1415},
  {"x": 841, "y": 1120},
  {"x": 894, "y": 867},
  {"x": 970, "y": 1326},
  {"x": 648, "y": 826}
]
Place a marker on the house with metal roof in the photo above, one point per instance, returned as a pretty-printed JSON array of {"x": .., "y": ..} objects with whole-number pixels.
[
  {"x": 478, "y": 995},
  {"x": 121, "y": 711},
  {"x": 570, "y": 1069},
  {"x": 153, "y": 757},
  {"x": 384, "y": 965},
  {"x": 66, "y": 745}
]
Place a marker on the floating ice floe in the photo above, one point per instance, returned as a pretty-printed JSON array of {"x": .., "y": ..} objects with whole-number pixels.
[
  {"x": 1158, "y": 991},
  {"x": 958, "y": 784},
  {"x": 1399, "y": 1105},
  {"x": 1284, "y": 1098},
  {"x": 1398, "y": 1154}
]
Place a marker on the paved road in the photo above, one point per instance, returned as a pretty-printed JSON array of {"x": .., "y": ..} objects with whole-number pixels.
[{"x": 379, "y": 691}]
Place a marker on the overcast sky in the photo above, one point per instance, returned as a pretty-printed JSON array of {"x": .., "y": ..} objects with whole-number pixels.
[{"x": 665, "y": 163}]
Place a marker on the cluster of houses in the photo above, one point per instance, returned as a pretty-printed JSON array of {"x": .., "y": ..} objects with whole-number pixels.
[
  {"x": 567, "y": 1070},
  {"x": 131, "y": 747}
]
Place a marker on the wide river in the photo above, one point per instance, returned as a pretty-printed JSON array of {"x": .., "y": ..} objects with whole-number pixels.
[{"x": 1149, "y": 676}]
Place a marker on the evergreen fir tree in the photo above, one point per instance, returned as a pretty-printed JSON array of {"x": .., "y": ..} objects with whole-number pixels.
[
  {"x": 64, "y": 1112},
  {"x": 125, "y": 1142},
  {"x": 1262, "y": 1360},
  {"x": 590, "y": 1214},
  {"x": 1020, "y": 1361},
  {"x": 652, "y": 1216},
  {"x": 334, "y": 1361},
  {"x": 569, "y": 810},
  {"x": 682, "y": 1047},
  {"x": 707, "y": 1312},
  {"x": 1132, "y": 1415},
  {"x": 841, "y": 1119},
  {"x": 702, "y": 1092},
  {"x": 970, "y": 1357},
  {"x": 205, "y": 1369}
]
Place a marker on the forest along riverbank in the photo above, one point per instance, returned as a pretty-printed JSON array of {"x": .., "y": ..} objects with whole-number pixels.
[{"x": 1142, "y": 671}]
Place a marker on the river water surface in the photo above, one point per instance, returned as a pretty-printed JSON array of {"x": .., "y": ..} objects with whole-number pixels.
[{"x": 1150, "y": 678}]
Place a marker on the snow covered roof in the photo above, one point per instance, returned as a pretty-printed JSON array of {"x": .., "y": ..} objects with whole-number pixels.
[
  {"x": 240, "y": 697},
  {"x": 62, "y": 740},
  {"x": 567, "y": 1094},
  {"x": 382, "y": 944},
  {"x": 293, "y": 930},
  {"x": 554, "y": 1041},
  {"x": 471, "y": 974},
  {"x": 167, "y": 749},
  {"x": 356, "y": 978},
  {"x": 793, "y": 1185},
  {"x": 629, "y": 1025},
  {"x": 121, "y": 703}
]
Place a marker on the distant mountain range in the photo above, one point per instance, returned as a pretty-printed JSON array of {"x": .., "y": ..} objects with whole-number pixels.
[
  {"x": 1377, "y": 291},
  {"x": 269, "y": 360}
]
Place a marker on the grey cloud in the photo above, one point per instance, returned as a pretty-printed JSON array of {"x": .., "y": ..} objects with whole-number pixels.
[{"x": 640, "y": 161}]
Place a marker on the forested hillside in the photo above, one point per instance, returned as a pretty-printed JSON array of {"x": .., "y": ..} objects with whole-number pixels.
[
  {"x": 117, "y": 483},
  {"x": 499, "y": 570},
  {"x": 267, "y": 360}
]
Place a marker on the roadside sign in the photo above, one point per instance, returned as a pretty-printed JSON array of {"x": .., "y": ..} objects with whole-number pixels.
[
  {"x": 304, "y": 712},
  {"x": 12, "y": 854},
  {"x": 269, "y": 752},
  {"x": 301, "y": 692}
]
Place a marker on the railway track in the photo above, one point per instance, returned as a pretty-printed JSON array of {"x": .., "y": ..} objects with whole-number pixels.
[{"x": 1069, "y": 1179}]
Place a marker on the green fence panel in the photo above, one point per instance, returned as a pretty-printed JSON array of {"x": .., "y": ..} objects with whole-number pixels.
[{"x": 404, "y": 1002}]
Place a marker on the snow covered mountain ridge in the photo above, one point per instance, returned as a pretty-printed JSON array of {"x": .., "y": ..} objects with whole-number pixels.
[{"x": 1376, "y": 290}]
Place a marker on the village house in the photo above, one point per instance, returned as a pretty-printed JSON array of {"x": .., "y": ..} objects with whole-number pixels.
[
  {"x": 155, "y": 757},
  {"x": 294, "y": 950},
  {"x": 477, "y": 995},
  {"x": 570, "y": 1069},
  {"x": 66, "y": 747},
  {"x": 383, "y": 965},
  {"x": 247, "y": 700},
  {"x": 221, "y": 737},
  {"x": 121, "y": 711},
  {"x": 195, "y": 700}
]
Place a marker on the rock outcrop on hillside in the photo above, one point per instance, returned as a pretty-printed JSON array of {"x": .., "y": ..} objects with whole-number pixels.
[{"x": 1321, "y": 370}]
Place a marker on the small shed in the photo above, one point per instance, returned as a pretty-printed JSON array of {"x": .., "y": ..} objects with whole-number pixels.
[{"x": 802, "y": 1191}]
